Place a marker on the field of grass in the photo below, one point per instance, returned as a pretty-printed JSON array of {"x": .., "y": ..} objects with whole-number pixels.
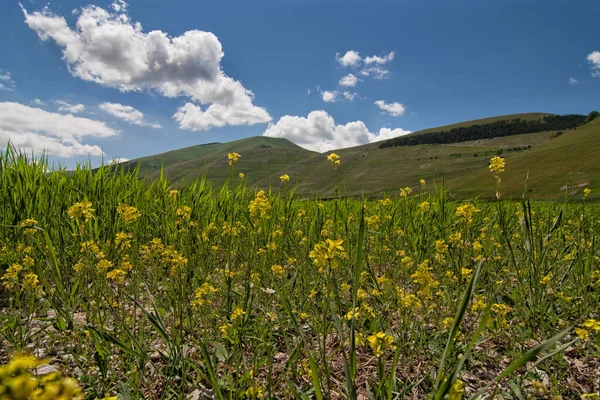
[
  {"x": 136, "y": 289},
  {"x": 553, "y": 162}
]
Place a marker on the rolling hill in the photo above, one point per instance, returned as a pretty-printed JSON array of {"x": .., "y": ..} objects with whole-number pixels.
[{"x": 550, "y": 161}]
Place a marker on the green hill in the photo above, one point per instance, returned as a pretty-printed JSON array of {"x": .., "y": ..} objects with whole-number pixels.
[
  {"x": 551, "y": 161},
  {"x": 260, "y": 157}
]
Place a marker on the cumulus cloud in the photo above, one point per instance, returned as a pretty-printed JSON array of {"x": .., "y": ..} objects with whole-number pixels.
[
  {"x": 349, "y": 80},
  {"x": 350, "y": 95},
  {"x": 395, "y": 109},
  {"x": 375, "y": 72},
  {"x": 350, "y": 59},
  {"x": 329, "y": 96},
  {"x": 6, "y": 81},
  {"x": 127, "y": 114},
  {"x": 594, "y": 59},
  {"x": 34, "y": 129},
  {"x": 38, "y": 102},
  {"x": 573, "y": 81},
  {"x": 68, "y": 108},
  {"x": 380, "y": 60},
  {"x": 319, "y": 132},
  {"x": 106, "y": 47}
]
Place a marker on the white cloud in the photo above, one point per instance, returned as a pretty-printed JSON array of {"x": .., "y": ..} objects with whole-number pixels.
[
  {"x": 6, "y": 81},
  {"x": 573, "y": 81},
  {"x": 119, "y": 5},
  {"x": 108, "y": 48},
  {"x": 349, "y": 80},
  {"x": 375, "y": 72},
  {"x": 350, "y": 59},
  {"x": 329, "y": 96},
  {"x": 319, "y": 132},
  {"x": 594, "y": 59},
  {"x": 380, "y": 60},
  {"x": 37, "y": 130},
  {"x": 349, "y": 95},
  {"x": 387, "y": 133},
  {"x": 127, "y": 114},
  {"x": 38, "y": 102},
  {"x": 69, "y": 108},
  {"x": 395, "y": 109}
]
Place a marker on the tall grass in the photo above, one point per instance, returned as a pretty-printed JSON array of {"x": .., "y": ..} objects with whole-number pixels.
[{"x": 136, "y": 288}]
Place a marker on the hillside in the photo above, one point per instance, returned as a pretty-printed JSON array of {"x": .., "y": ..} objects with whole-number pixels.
[
  {"x": 552, "y": 161},
  {"x": 262, "y": 156}
]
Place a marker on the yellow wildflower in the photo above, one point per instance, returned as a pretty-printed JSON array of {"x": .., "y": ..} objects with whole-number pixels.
[
  {"x": 380, "y": 342},
  {"x": 278, "y": 270},
  {"x": 202, "y": 293},
  {"x": 326, "y": 253},
  {"x": 424, "y": 206},
  {"x": 254, "y": 391},
  {"x": 466, "y": 212},
  {"x": 496, "y": 165},
  {"x": 583, "y": 334},
  {"x": 260, "y": 205},
  {"x": 238, "y": 312},
  {"x": 128, "y": 213},
  {"x": 82, "y": 210},
  {"x": 29, "y": 226},
  {"x": 116, "y": 275},
  {"x": 232, "y": 158},
  {"x": 334, "y": 159},
  {"x": 284, "y": 178}
]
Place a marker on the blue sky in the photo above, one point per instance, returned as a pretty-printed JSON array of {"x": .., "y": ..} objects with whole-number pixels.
[{"x": 223, "y": 70}]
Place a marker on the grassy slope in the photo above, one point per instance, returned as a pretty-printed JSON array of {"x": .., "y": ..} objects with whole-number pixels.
[
  {"x": 260, "y": 155},
  {"x": 551, "y": 162}
]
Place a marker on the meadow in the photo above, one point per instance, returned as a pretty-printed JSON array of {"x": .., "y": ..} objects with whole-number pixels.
[{"x": 111, "y": 285}]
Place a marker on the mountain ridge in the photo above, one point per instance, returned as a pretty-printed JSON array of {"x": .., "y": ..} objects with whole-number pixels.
[{"x": 371, "y": 170}]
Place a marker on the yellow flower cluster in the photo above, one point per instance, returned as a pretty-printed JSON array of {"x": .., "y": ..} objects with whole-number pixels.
[
  {"x": 380, "y": 342},
  {"x": 466, "y": 212},
  {"x": 586, "y": 193},
  {"x": 405, "y": 192},
  {"x": 260, "y": 205},
  {"x": 496, "y": 165},
  {"x": 10, "y": 279},
  {"x": 28, "y": 226},
  {"x": 425, "y": 279},
  {"x": 278, "y": 270},
  {"x": 254, "y": 392},
  {"x": 232, "y": 158},
  {"x": 334, "y": 159},
  {"x": 284, "y": 178},
  {"x": 18, "y": 382},
  {"x": 326, "y": 253},
  {"x": 588, "y": 326},
  {"x": 128, "y": 213},
  {"x": 123, "y": 240},
  {"x": 82, "y": 210},
  {"x": 202, "y": 294}
]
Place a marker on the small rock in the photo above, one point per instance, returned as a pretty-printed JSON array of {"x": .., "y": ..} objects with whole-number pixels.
[{"x": 45, "y": 369}]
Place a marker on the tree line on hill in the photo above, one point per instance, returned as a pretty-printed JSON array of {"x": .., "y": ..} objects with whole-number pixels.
[{"x": 511, "y": 127}]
